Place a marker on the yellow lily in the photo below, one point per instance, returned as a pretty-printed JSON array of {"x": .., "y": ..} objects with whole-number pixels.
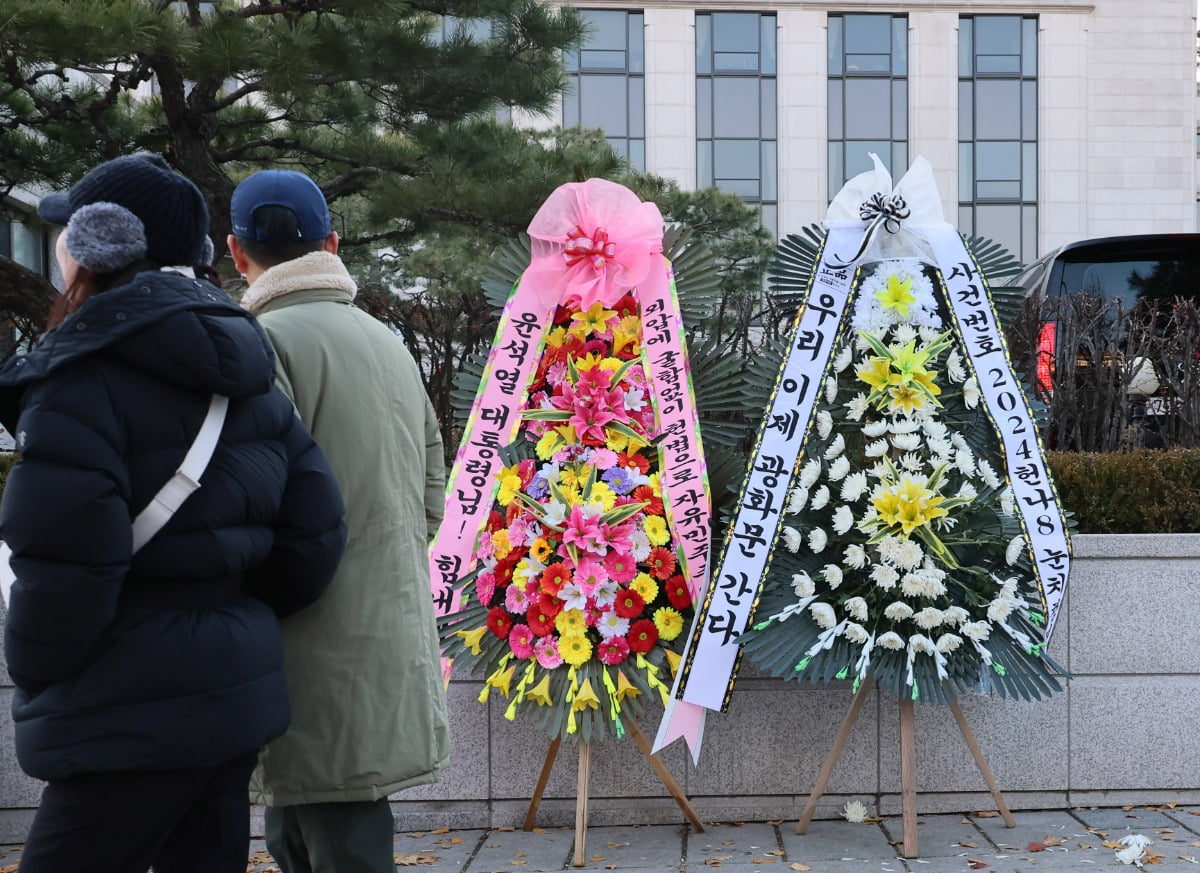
[{"x": 586, "y": 697}]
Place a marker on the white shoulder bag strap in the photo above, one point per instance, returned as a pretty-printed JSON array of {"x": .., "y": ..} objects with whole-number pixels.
[{"x": 168, "y": 499}]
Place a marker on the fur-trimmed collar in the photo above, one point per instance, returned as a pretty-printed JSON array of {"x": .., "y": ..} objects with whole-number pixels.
[{"x": 314, "y": 270}]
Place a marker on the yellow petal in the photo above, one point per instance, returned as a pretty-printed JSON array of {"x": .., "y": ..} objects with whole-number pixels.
[
  {"x": 502, "y": 679},
  {"x": 673, "y": 659},
  {"x": 541, "y": 692},
  {"x": 585, "y": 697},
  {"x": 472, "y": 638},
  {"x": 625, "y": 688}
]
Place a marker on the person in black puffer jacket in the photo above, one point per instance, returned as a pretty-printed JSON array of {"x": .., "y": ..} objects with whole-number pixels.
[{"x": 146, "y": 682}]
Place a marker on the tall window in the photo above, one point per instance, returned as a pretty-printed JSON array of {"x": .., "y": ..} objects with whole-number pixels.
[
  {"x": 607, "y": 82},
  {"x": 868, "y": 95},
  {"x": 997, "y": 130},
  {"x": 736, "y": 108},
  {"x": 25, "y": 243}
]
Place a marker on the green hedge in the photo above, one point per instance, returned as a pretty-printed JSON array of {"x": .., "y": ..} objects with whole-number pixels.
[{"x": 1147, "y": 491}]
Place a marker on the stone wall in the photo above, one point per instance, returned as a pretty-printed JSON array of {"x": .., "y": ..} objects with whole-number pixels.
[{"x": 1126, "y": 729}]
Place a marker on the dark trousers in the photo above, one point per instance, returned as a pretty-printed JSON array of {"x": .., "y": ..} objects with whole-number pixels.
[
  {"x": 332, "y": 837},
  {"x": 180, "y": 821}
]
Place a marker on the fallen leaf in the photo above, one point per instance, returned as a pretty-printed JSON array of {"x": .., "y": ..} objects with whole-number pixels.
[
  {"x": 501, "y": 828},
  {"x": 1172, "y": 804},
  {"x": 520, "y": 854},
  {"x": 595, "y": 859},
  {"x": 1152, "y": 857},
  {"x": 1036, "y": 847},
  {"x": 538, "y": 830},
  {"x": 416, "y": 835},
  {"x": 1196, "y": 844},
  {"x": 778, "y": 852},
  {"x": 1126, "y": 808},
  {"x": 1112, "y": 844},
  {"x": 976, "y": 864},
  {"x": 967, "y": 845},
  {"x": 413, "y": 860},
  {"x": 1051, "y": 841},
  {"x": 801, "y": 867},
  {"x": 519, "y": 863},
  {"x": 711, "y": 862},
  {"x": 987, "y": 813},
  {"x": 612, "y": 845},
  {"x": 763, "y": 860},
  {"x": 440, "y": 831},
  {"x": 1192, "y": 812}
]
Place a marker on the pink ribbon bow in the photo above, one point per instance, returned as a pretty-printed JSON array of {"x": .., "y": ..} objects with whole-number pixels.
[{"x": 592, "y": 241}]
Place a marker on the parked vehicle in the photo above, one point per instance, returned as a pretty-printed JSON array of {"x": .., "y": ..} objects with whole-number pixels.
[{"x": 1117, "y": 314}]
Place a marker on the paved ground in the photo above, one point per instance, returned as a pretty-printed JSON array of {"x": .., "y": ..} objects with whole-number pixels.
[{"x": 1042, "y": 842}]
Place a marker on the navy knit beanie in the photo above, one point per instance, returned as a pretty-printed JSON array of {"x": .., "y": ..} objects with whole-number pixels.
[{"x": 171, "y": 208}]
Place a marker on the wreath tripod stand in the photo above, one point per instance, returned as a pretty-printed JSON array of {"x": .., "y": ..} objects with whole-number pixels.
[
  {"x": 581, "y": 791},
  {"x": 908, "y": 766}
]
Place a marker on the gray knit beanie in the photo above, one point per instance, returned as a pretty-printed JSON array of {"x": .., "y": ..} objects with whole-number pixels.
[{"x": 103, "y": 237}]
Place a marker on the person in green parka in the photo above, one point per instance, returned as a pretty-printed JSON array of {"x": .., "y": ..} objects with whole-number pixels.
[{"x": 363, "y": 668}]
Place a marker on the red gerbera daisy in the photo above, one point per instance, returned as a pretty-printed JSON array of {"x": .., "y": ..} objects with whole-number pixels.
[
  {"x": 678, "y": 593},
  {"x": 642, "y": 636},
  {"x": 540, "y": 622},
  {"x": 654, "y": 504},
  {"x": 633, "y": 461},
  {"x": 662, "y": 562},
  {"x": 554, "y": 577},
  {"x": 499, "y": 621},
  {"x": 629, "y": 603},
  {"x": 549, "y": 604},
  {"x": 613, "y": 651}
]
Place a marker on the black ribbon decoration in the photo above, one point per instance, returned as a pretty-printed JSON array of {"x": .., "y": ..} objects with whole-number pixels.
[{"x": 886, "y": 210}]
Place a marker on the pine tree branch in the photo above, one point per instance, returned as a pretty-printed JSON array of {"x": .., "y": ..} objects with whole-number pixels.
[
  {"x": 350, "y": 182},
  {"x": 264, "y": 7},
  {"x": 234, "y": 96}
]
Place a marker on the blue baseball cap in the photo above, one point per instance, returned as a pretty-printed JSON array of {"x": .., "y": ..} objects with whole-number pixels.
[{"x": 286, "y": 188}]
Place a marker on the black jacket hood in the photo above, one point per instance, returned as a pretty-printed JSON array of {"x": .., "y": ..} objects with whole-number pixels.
[{"x": 183, "y": 330}]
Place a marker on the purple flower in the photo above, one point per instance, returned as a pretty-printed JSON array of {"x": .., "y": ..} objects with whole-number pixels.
[
  {"x": 538, "y": 488},
  {"x": 618, "y": 479}
]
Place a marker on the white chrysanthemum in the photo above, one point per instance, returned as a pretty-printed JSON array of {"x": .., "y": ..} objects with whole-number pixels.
[
  {"x": 810, "y": 472},
  {"x": 929, "y": 334},
  {"x": 978, "y": 631},
  {"x": 939, "y": 448},
  {"x": 874, "y": 429},
  {"x": 792, "y": 539},
  {"x": 854, "y": 812},
  {"x": 803, "y": 585},
  {"x": 843, "y": 359},
  {"x": 921, "y": 644},
  {"x": 823, "y": 615},
  {"x": 1141, "y": 841},
  {"x": 956, "y": 615},
  {"x": 929, "y": 617},
  {"x": 890, "y": 640},
  {"x": 898, "y": 610},
  {"x": 966, "y": 491},
  {"x": 879, "y": 469},
  {"x": 1007, "y": 501},
  {"x": 959, "y": 441},
  {"x": 948, "y": 643},
  {"x": 1008, "y": 588},
  {"x": 908, "y": 554},
  {"x": 907, "y": 442},
  {"x": 911, "y": 461},
  {"x": 876, "y": 449},
  {"x": 904, "y": 334},
  {"x": 839, "y": 468},
  {"x": 856, "y": 408},
  {"x": 856, "y": 633},
  {"x": 824, "y": 424},
  {"x": 970, "y": 390},
  {"x": 856, "y": 608},
  {"x": 843, "y": 520},
  {"x": 836, "y": 446},
  {"x": 884, "y": 576},
  {"x": 866, "y": 524},
  {"x": 954, "y": 367},
  {"x": 820, "y": 499},
  {"x": 832, "y": 574},
  {"x": 855, "y": 557},
  {"x": 964, "y": 460},
  {"x": 1000, "y": 609},
  {"x": 817, "y": 539},
  {"x": 934, "y": 429},
  {"x": 904, "y": 425},
  {"x": 919, "y": 583},
  {"x": 854, "y": 487},
  {"x": 1015, "y": 547},
  {"x": 988, "y": 475},
  {"x": 831, "y": 387},
  {"x": 797, "y": 497}
]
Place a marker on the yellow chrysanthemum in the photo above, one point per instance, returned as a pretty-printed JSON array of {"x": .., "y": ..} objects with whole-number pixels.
[
  {"x": 570, "y": 622},
  {"x": 669, "y": 623},
  {"x": 540, "y": 550},
  {"x": 654, "y": 486},
  {"x": 645, "y": 586},
  {"x": 897, "y": 295},
  {"x": 571, "y": 476},
  {"x": 510, "y": 484},
  {"x": 549, "y": 443},
  {"x": 617, "y": 442},
  {"x": 656, "y": 530},
  {"x": 576, "y": 649},
  {"x": 603, "y": 495},
  {"x": 500, "y": 543}
]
